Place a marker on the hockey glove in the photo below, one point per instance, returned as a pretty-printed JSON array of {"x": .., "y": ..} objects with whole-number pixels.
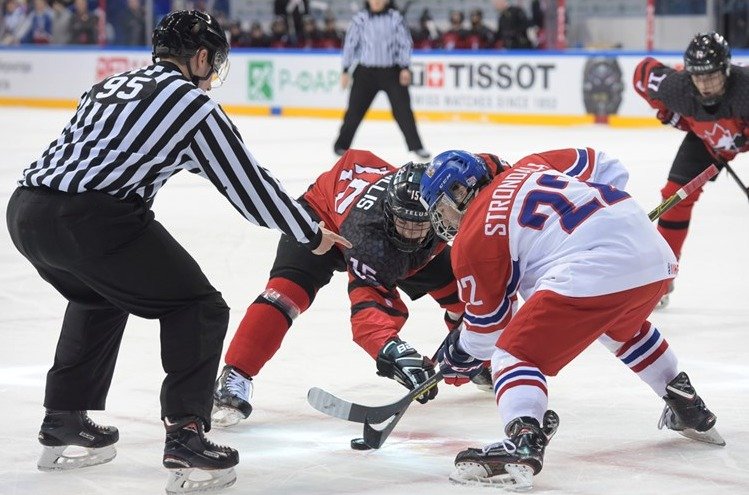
[
  {"x": 457, "y": 366},
  {"x": 668, "y": 117},
  {"x": 399, "y": 361}
]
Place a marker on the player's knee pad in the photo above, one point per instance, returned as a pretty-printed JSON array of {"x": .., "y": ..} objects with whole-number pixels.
[{"x": 286, "y": 296}]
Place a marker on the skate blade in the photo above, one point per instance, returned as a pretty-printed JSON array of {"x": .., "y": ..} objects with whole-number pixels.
[
  {"x": 710, "y": 436},
  {"x": 57, "y": 459},
  {"x": 193, "y": 480},
  {"x": 224, "y": 417},
  {"x": 519, "y": 478}
]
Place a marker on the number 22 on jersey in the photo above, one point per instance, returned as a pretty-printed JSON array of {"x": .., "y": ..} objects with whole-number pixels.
[{"x": 570, "y": 214}]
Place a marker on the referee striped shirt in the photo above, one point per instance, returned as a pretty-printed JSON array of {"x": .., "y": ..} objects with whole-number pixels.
[
  {"x": 377, "y": 40},
  {"x": 134, "y": 130}
]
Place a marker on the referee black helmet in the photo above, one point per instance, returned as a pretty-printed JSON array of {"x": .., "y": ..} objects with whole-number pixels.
[{"x": 181, "y": 34}]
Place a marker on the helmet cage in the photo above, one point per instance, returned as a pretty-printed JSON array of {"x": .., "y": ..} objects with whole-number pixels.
[
  {"x": 405, "y": 216},
  {"x": 447, "y": 212}
]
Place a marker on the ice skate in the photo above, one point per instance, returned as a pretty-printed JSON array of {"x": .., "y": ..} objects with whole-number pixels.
[
  {"x": 72, "y": 440},
  {"x": 483, "y": 380},
  {"x": 231, "y": 397},
  {"x": 511, "y": 463},
  {"x": 686, "y": 413},
  {"x": 197, "y": 465}
]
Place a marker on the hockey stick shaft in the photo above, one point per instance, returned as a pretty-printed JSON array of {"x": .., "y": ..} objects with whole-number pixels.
[
  {"x": 331, "y": 405},
  {"x": 733, "y": 174},
  {"x": 683, "y": 192}
]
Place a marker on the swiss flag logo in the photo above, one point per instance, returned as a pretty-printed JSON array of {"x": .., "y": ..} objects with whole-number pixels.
[{"x": 435, "y": 75}]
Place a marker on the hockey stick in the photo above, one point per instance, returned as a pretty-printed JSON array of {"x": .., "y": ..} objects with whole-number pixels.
[
  {"x": 733, "y": 174},
  {"x": 329, "y": 404},
  {"x": 684, "y": 191}
]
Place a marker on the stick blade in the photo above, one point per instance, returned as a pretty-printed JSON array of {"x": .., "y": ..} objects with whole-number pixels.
[{"x": 329, "y": 404}]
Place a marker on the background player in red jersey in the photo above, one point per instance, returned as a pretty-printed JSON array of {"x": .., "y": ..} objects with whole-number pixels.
[
  {"x": 709, "y": 100},
  {"x": 377, "y": 206},
  {"x": 588, "y": 265}
]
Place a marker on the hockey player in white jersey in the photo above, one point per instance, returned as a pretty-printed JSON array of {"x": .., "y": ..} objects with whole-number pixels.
[{"x": 588, "y": 264}]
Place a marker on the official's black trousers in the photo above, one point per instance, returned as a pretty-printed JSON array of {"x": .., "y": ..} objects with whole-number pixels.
[
  {"x": 368, "y": 81},
  {"x": 110, "y": 258}
]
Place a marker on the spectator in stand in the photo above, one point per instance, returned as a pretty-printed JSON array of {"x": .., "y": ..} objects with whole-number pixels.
[
  {"x": 331, "y": 37},
  {"x": 13, "y": 22},
  {"x": 61, "y": 18},
  {"x": 480, "y": 36},
  {"x": 133, "y": 24},
  {"x": 512, "y": 26},
  {"x": 426, "y": 36},
  {"x": 310, "y": 35},
  {"x": 84, "y": 26},
  {"x": 238, "y": 38},
  {"x": 258, "y": 38},
  {"x": 456, "y": 38},
  {"x": 537, "y": 28},
  {"x": 39, "y": 30},
  {"x": 279, "y": 33},
  {"x": 293, "y": 12}
]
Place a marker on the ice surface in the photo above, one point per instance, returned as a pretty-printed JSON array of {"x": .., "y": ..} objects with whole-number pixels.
[{"x": 607, "y": 442}]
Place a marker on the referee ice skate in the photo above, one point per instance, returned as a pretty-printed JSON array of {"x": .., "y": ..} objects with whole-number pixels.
[
  {"x": 380, "y": 41},
  {"x": 81, "y": 215}
]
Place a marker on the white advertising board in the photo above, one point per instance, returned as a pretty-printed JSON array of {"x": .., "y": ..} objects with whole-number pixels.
[{"x": 534, "y": 84}]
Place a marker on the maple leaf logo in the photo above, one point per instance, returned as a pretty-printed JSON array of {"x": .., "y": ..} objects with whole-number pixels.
[{"x": 722, "y": 139}]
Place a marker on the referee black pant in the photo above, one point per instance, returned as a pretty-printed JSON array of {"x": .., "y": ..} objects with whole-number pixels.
[
  {"x": 368, "y": 81},
  {"x": 110, "y": 258}
]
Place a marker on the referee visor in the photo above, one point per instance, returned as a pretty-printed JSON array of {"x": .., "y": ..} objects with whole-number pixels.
[{"x": 220, "y": 68}]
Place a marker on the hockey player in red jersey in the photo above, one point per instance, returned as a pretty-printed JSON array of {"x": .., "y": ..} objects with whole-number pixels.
[
  {"x": 709, "y": 100},
  {"x": 376, "y": 205},
  {"x": 588, "y": 265}
]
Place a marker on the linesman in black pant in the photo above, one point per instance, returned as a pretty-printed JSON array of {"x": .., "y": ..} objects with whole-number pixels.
[
  {"x": 380, "y": 41},
  {"x": 81, "y": 215}
]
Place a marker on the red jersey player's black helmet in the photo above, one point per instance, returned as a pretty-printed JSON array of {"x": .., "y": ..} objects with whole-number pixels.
[
  {"x": 181, "y": 34},
  {"x": 706, "y": 53},
  {"x": 406, "y": 220}
]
